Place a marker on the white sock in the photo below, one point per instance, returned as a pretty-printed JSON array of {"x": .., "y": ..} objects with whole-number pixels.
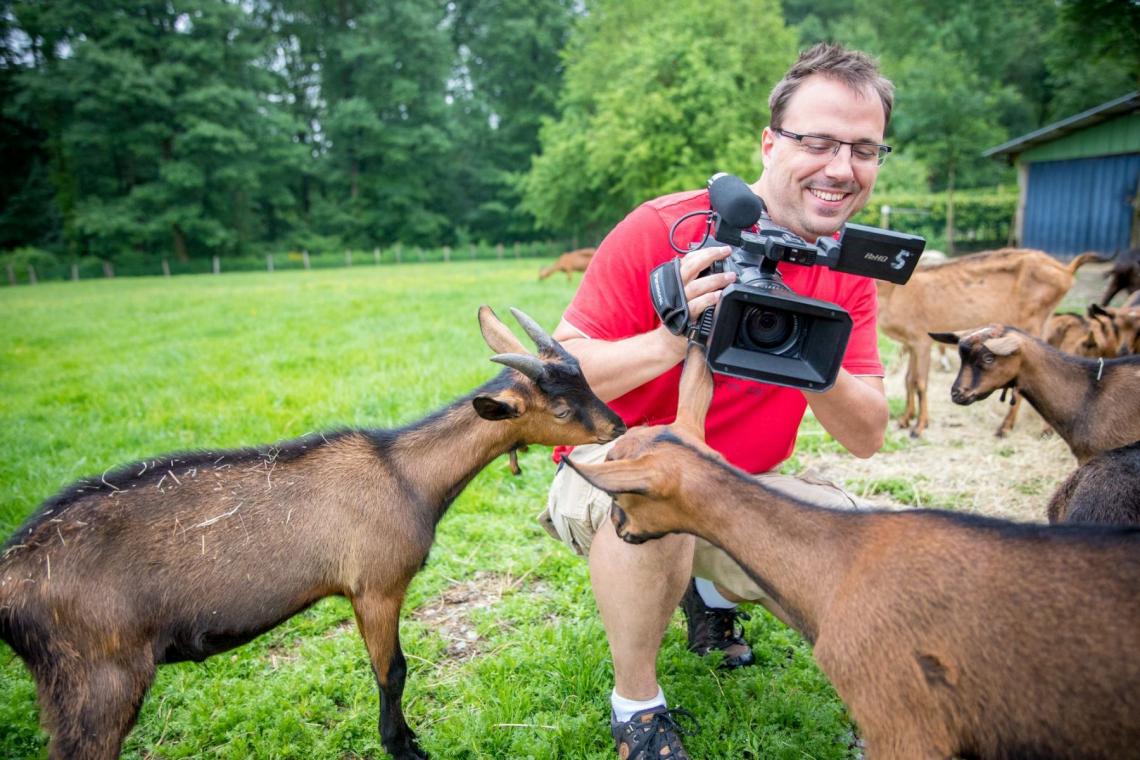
[
  {"x": 706, "y": 590},
  {"x": 625, "y": 708}
]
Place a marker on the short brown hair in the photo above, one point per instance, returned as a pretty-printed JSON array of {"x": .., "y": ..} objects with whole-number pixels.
[{"x": 855, "y": 69}]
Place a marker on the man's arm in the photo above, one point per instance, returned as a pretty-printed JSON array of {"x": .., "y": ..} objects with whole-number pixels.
[
  {"x": 854, "y": 411},
  {"x": 614, "y": 368}
]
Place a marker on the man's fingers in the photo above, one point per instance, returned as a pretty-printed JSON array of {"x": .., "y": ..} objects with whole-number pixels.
[
  {"x": 708, "y": 284},
  {"x": 698, "y": 305},
  {"x": 696, "y": 262}
]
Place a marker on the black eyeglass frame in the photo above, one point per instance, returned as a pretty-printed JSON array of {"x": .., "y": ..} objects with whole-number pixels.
[{"x": 883, "y": 150}]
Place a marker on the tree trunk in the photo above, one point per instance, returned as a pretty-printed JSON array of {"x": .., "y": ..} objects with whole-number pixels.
[
  {"x": 179, "y": 243},
  {"x": 950, "y": 213}
]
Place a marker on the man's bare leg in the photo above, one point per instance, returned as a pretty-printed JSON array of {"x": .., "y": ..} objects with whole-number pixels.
[{"x": 637, "y": 588}]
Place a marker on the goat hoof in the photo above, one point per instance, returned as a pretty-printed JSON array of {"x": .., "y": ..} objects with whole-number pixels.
[{"x": 405, "y": 748}]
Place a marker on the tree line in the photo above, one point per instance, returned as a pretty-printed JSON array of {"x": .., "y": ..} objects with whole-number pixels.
[{"x": 209, "y": 128}]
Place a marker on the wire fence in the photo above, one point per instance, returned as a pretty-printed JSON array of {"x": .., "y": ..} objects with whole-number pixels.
[{"x": 45, "y": 267}]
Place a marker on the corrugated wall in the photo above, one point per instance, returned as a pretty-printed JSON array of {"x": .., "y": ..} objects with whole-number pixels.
[{"x": 1081, "y": 205}]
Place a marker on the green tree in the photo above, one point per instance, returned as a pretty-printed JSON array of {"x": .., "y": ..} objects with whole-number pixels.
[
  {"x": 657, "y": 97},
  {"x": 508, "y": 77},
  {"x": 947, "y": 119}
]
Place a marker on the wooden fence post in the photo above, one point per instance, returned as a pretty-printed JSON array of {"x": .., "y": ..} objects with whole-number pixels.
[
  {"x": 269, "y": 261},
  {"x": 31, "y": 275},
  {"x": 217, "y": 265},
  {"x": 517, "y": 252},
  {"x": 347, "y": 258},
  {"x": 75, "y": 273},
  {"x": 108, "y": 269},
  {"x": 399, "y": 253},
  {"x": 305, "y": 258},
  {"x": 376, "y": 256},
  {"x": 165, "y": 268},
  {"x": 447, "y": 253},
  {"x": 499, "y": 251},
  {"x": 11, "y": 275}
]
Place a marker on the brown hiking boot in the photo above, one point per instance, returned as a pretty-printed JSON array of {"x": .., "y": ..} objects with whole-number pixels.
[
  {"x": 653, "y": 734},
  {"x": 711, "y": 628}
]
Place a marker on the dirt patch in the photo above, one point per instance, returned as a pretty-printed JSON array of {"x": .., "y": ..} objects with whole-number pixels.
[
  {"x": 959, "y": 463},
  {"x": 449, "y": 614}
]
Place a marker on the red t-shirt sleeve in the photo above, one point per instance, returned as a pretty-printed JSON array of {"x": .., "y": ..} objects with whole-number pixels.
[{"x": 862, "y": 356}]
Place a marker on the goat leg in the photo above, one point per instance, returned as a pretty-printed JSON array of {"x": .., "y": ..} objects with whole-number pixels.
[
  {"x": 378, "y": 618},
  {"x": 90, "y": 707}
]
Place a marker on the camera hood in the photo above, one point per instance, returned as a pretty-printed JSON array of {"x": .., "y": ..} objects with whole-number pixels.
[{"x": 778, "y": 338}]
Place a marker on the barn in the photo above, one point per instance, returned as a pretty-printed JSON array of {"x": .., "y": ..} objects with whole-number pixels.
[{"x": 1079, "y": 181}]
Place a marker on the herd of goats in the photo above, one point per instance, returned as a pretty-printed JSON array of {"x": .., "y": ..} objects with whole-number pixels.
[{"x": 945, "y": 634}]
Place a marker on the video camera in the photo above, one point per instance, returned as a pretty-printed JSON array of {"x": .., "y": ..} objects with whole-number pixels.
[{"x": 760, "y": 329}]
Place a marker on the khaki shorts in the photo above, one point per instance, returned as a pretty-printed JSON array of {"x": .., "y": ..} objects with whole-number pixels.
[{"x": 575, "y": 510}]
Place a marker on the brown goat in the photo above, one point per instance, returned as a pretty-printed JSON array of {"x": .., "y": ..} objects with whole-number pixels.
[
  {"x": 183, "y": 556},
  {"x": 1093, "y": 336},
  {"x": 1105, "y": 489},
  {"x": 1094, "y": 404},
  {"x": 574, "y": 261},
  {"x": 1125, "y": 324},
  {"x": 1016, "y": 286},
  {"x": 945, "y": 634},
  {"x": 1124, "y": 275}
]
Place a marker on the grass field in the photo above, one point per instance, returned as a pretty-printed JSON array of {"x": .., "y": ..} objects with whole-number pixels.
[{"x": 507, "y": 657}]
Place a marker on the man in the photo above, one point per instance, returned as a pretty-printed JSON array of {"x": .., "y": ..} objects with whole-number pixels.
[{"x": 821, "y": 156}]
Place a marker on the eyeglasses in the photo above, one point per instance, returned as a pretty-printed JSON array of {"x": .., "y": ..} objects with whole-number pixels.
[{"x": 816, "y": 145}]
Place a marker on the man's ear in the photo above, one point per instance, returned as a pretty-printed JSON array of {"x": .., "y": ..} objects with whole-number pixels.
[
  {"x": 502, "y": 406},
  {"x": 767, "y": 141},
  {"x": 637, "y": 476}
]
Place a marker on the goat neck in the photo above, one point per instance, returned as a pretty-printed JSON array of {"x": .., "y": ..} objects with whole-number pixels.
[{"x": 439, "y": 455}]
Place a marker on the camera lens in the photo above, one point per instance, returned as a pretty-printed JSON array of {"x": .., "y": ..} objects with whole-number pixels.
[{"x": 771, "y": 330}]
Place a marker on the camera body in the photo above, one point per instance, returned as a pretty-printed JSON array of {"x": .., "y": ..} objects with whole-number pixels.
[{"x": 759, "y": 329}]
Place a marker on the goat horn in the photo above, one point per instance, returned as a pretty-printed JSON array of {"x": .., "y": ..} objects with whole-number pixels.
[
  {"x": 536, "y": 333},
  {"x": 531, "y": 366}
]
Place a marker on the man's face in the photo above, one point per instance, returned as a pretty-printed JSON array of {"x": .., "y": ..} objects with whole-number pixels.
[{"x": 813, "y": 195}]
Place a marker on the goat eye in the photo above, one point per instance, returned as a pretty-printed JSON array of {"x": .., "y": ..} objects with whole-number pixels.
[
  {"x": 988, "y": 359},
  {"x": 562, "y": 414}
]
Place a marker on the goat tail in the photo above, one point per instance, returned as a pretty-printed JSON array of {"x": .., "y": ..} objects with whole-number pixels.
[{"x": 1084, "y": 258}]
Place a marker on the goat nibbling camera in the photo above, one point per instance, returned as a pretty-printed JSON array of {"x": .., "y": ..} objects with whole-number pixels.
[{"x": 760, "y": 329}]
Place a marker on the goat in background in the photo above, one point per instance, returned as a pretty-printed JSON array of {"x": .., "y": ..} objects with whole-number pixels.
[
  {"x": 574, "y": 261},
  {"x": 1014, "y": 286},
  {"x": 1124, "y": 275},
  {"x": 183, "y": 556},
  {"x": 945, "y": 634},
  {"x": 1105, "y": 489},
  {"x": 1094, "y": 404}
]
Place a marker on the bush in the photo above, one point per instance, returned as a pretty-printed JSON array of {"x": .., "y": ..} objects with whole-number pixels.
[{"x": 982, "y": 218}]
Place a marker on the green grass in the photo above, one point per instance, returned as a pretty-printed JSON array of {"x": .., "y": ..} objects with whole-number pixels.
[{"x": 95, "y": 374}]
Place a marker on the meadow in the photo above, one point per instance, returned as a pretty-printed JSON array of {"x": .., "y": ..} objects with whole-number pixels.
[{"x": 507, "y": 658}]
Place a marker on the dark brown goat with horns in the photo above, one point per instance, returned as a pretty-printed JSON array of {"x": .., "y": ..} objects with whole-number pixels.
[
  {"x": 946, "y": 635},
  {"x": 187, "y": 555}
]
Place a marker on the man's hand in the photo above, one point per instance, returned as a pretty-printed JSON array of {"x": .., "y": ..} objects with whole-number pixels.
[{"x": 703, "y": 292}]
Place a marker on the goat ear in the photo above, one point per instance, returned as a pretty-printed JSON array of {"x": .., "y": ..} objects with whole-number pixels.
[
  {"x": 1095, "y": 310},
  {"x": 505, "y": 406},
  {"x": 946, "y": 337},
  {"x": 498, "y": 336},
  {"x": 1003, "y": 346},
  {"x": 637, "y": 476},
  {"x": 696, "y": 392}
]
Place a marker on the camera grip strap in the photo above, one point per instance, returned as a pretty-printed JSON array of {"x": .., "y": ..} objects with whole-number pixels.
[{"x": 668, "y": 295}]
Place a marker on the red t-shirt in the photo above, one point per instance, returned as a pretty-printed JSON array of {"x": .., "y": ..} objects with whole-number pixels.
[{"x": 753, "y": 424}]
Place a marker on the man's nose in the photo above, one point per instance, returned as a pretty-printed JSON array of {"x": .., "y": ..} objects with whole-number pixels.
[{"x": 839, "y": 167}]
